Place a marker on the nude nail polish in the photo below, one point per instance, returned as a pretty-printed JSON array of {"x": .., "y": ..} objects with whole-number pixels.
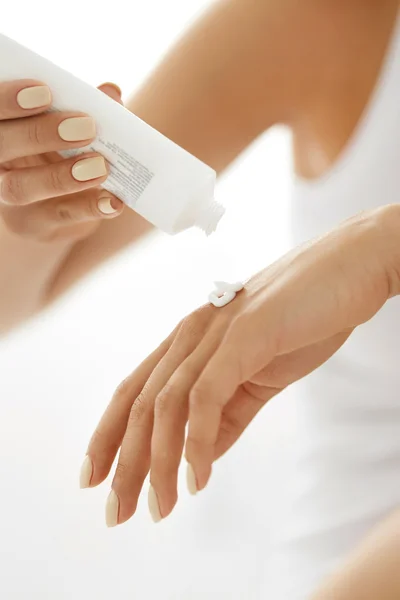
[
  {"x": 154, "y": 507},
  {"x": 89, "y": 168},
  {"x": 112, "y": 509},
  {"x": 77, "y": 129},
  {"x": 113, "y": 85},
  {"x": 104, "y": 205},
  {"x": 34, "y": 97},
  {"x": 86, "y": 473},
  {"x": 191, "y": 480}
]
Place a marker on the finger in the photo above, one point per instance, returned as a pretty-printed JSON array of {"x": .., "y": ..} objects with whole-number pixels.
[
  {"x": 33, "y": 184},
  {"x": 170, "y": 418},
  {"x": 112, "y": 90},
  {"x": 279, "y": 374},
  {"x": 23, "y": 98},
  {"x": 245, "y": 350},
  {"x": 134, "y": 459},
  {"x": 288, "y": 368},
  {"x": 50, "y": 132},
  {"x": 58, "y": 219},
  {"x": 239, "y": 413},
  {"x": 218, "y": 382},
  {"x": 107, "y": 438}
]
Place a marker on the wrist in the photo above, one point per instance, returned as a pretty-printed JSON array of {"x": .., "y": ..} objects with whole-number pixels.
[{"x": 386, "y": 226}]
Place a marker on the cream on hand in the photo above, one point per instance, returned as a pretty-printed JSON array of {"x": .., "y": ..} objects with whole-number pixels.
[{"x": 151, "y": 174}]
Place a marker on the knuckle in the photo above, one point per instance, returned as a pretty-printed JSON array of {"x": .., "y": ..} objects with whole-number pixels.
[
  {"x": 196, "y": 397},
  {"x": 164, "y": 399},
  {"x": 195, "y": 444},
  {"x": 189, "y": 326},
  {"x": 11, "y": 189},
  {"x": 123, "y": 389},
  {"x": 56, "y": 180},
  {"x": 138, "y": 410},
  {"x": 64, "y": 213},
  {"x": 202, "y": 395},
  {"x": 195, "y": 324},
  {"x": 230, "y": 426},
  {"x": 237, "y": 326},
  {"x": 35, "y": 133}
]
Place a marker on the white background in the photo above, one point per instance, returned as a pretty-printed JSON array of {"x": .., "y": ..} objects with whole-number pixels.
[{"x": 58, "y": 373}]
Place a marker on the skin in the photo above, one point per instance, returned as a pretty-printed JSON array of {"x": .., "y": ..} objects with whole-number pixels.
[
  {"x": 373, "y": 569},
  {"x": 220, "y": 90},
  {"x": 219, "y": 367},
  {"x": 44, "y": 210}
]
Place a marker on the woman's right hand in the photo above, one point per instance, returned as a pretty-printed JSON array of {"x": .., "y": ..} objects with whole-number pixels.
[{"x": 43, "y": 195}]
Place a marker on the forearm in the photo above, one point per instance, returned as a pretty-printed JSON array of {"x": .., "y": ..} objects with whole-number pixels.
[
  {"x": 218, "y": 88},
  {"x": 246, "y": 65},
  {"x": 215, "y": 91}
]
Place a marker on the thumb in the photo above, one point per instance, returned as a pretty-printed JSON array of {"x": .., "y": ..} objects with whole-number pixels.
[
  {"x": 279, "y": 374},
  {"x": 289, "y": 368}
]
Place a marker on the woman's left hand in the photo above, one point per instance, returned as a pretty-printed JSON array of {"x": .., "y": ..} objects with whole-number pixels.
[{"x": 219, "y": 367}]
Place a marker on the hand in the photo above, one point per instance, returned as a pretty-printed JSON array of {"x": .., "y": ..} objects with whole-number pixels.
[
  {"x": 221, "y": 366},
  {"x": 42, "y": 195}
]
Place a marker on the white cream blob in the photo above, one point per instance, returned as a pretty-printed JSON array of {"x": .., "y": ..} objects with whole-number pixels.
[{"x": 224, "y": 293}]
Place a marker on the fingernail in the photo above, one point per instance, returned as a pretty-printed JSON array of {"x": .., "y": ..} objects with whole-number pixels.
[
  {"x": 105, "y": 204},
  {"x": 34, "y": 97},
  {"x": 112, "y": 509},
  {"x": 86, "y": 473},
  {"x": 113, "y": 85},
  {"x": 89, "y": 168},
  {"x": 191, "y": 480},
  {"x": 154, "y": 507},
  {"x": 77, "y": 129}
]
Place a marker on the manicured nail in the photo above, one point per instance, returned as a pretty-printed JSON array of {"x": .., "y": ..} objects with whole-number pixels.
[
  {"x": 77, "y": 129},
  {"x": 89, "y": 168},
  {"x": 86, "y": 473},
  {"x": 105, "y": 204},
  {"x": 154, "y": 507},
  {"x": 113, "y": 85},
  {"x": 34, "y": 97},
  {"x": 112, "y": 509},
  {"x": 191, "y": 480}
]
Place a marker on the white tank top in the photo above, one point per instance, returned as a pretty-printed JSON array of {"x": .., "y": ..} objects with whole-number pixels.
[{"x": 344, "y": 471}]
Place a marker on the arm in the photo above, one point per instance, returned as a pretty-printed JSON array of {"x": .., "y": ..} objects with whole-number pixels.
[
  {"x": 372, "y": 571},
  {"x": 246, "y": 65},
  {"x": 220, "y": 367},
  {"x": 208, "y": 96}
]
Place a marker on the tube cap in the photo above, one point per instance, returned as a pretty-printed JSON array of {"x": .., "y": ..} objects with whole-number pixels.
[{"x": 209, "y": 217}]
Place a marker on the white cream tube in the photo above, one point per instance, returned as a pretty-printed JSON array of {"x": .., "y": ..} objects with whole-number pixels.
[{"x": 154, "y": 176}]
